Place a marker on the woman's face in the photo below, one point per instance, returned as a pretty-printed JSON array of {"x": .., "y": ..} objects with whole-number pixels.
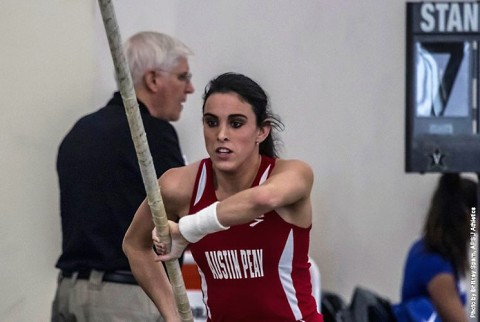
[{"x": 230, "y": 131}]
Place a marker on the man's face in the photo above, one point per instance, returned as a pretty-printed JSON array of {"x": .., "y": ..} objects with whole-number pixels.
[{"x": 175, "y": 86}]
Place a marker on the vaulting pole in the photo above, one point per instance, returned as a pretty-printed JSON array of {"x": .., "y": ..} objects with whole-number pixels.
[{"x": 143, "y": 153}]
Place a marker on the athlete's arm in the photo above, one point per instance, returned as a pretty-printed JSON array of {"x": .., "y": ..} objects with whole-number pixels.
[
  {"x": 137, "y": 243},
  {"x": 445, "y": 298},
  {"x": 150, "y": 275},
  {"x": 287, "y": 190}
]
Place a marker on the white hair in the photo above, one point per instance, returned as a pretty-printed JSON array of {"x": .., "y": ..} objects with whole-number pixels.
[{"x": 149, "y": 50}]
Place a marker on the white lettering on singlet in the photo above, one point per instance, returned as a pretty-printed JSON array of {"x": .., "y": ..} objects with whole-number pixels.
[{"x": 233, "y": 264}]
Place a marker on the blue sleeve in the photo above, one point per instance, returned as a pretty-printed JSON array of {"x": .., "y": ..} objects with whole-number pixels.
[
  {"x": 421, "y": 267},
  {"x": 430, "y": 265}
]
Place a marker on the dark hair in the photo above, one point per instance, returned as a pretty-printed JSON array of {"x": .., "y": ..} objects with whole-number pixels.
[
  {"x": 249, "y": 91},
  {"x": 446, "y": 229}
]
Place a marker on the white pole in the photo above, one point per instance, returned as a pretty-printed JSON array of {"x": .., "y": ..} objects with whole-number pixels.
[{"x": 143, "y": 153}]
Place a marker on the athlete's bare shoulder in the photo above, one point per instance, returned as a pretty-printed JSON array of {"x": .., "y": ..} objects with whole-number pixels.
[
  {"x": 299, "y": 166},
  {"x": 176, "y": 186}
]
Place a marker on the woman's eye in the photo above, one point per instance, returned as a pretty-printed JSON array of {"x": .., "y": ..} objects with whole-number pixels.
[
  {"x": 236, "y": 124},
  {"x": 211, "y": 123}
]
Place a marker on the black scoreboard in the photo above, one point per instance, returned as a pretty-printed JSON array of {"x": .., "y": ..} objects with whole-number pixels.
[{"x": 442, "y": 87}]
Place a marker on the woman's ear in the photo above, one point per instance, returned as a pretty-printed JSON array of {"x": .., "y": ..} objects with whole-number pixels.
[{"x": 263, "y": 132}]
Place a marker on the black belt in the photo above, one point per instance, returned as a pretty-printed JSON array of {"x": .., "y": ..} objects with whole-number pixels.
[{"x": 113, "y": 277}]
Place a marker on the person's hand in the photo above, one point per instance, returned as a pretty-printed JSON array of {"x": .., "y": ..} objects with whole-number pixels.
[
  {"x": 178, "y": 244},
  {"x": 155, "y": 239}
]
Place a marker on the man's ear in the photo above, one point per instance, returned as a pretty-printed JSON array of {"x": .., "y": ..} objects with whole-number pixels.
[{"x": 151, "y": 81}]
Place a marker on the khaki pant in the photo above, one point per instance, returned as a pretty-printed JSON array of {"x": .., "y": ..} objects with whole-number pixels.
[{"x": 78, "y": 300}]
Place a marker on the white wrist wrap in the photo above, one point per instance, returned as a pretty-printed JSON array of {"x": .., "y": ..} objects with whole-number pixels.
[{"x": 195, "y": 227}]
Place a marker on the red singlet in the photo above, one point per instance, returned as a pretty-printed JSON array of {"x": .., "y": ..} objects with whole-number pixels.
[{"x": 255, "y": 272}]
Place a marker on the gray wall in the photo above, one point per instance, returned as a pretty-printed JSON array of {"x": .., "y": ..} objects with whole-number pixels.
[{"x": 334, "y": 71}]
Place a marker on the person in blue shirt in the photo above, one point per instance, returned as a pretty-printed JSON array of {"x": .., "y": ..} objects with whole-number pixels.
[{"x": 433, "y": 283}]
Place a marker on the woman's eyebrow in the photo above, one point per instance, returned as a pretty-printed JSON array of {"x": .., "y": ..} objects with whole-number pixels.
[
  {"x": 237, "y": 115},
  {"x": 229, "y": 116}
]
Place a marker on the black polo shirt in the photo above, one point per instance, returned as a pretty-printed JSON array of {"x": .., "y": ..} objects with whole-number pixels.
[{"x": 101, "y": 185}]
